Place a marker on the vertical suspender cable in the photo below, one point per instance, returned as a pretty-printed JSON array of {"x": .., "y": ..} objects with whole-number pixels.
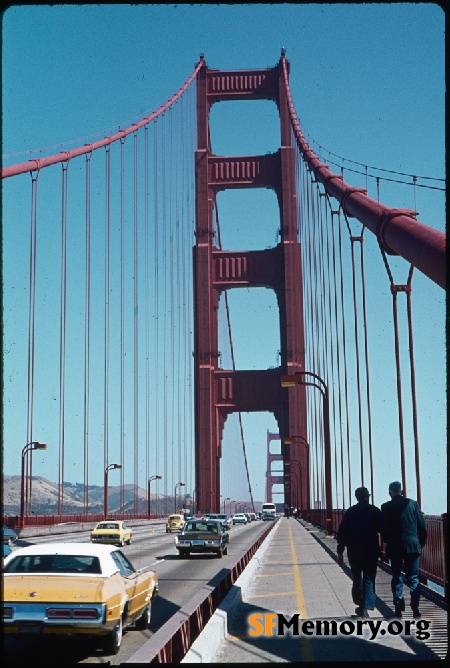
[
  {"x": 358, "y": 371},
  {"x": 62, "y": 338},
  {"x": 136, "y": 323},
  {"x": 156, "y": 299},
  {"x": 366, "y": 359},
  {"x": 170, "y": 333},
  {"x": 106, "y": 310},
  {"x": 413, "y": 387},
  {"x": 344, "y": 354},
  {"x": 147, "y": 318},
  {"x": 31, "y": 327},
  {"x": 87, "y": 332},
  {"x": 164, "y": 266},
  {"x": 122, "y": 322}
]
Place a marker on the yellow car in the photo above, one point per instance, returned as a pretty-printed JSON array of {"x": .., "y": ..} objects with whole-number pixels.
[
  {"x": 112, "y": 532},
  {"x": 174, "y": 523},
  {"x": 75, "y": 588}
]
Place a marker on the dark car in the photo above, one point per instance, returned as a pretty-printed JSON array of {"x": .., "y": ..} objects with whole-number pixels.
[
  {"x": 8, "y": 535},
  {"x": 202, "y": 536},
  {"x": 221, "y": 518}
]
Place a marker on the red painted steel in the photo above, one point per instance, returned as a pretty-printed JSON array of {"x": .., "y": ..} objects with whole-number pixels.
[
  {"x": 40, "y": 163},
  {"x": 271, "y": 479},
  {"x": 220, "y": 392},
  {"x": 398, "y": 230}
]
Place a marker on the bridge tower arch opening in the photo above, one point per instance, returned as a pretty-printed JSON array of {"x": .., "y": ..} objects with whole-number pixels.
[{"x": 217, "y": 392}]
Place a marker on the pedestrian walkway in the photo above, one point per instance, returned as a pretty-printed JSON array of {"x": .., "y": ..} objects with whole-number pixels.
[{"x": 298, "y": 577}]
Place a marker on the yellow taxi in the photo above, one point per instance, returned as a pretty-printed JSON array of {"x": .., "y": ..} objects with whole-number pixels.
[
  {"x": 112, "y": 532},
  {"x": 174, "y": 523}
]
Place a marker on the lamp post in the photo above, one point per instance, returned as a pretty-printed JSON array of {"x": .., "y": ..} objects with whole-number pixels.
[
  {"x": 33, "y": 445},
  {"x": 179, "y": 484},
  {"x": 153, "y": 477},
  {"x": 287, "y": 442},
  {"x": 298, "y": 478},
  {"x": 313, "y": 380},
  {"x": 105, "y": 490}
]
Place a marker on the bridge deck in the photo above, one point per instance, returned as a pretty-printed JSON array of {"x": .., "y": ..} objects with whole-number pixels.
[{"x": 298, "y": 574}]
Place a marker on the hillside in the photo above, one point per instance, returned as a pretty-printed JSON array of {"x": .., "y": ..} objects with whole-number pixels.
[{"x": 45, "y": 497}]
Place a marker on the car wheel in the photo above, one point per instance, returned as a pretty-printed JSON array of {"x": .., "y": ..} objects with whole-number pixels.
[
  {"x": 129, "y": 541},
  {"x": 219, "y": 554},
  {"x": 144, "y": 620},
  {"x": 114, "y": 639}
]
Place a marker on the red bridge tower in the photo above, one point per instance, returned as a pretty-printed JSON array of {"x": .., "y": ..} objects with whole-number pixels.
[{"x": 219, "y": 392}]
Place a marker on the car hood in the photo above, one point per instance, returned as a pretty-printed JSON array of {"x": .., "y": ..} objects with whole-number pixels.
[{"x": 53, "y": 588}]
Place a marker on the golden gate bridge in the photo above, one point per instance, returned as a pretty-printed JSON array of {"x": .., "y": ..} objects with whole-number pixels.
[{"x": 128, "y": 358}]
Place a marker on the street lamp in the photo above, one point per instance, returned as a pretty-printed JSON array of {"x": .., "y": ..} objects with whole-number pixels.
[
  {"x": 288, "y": 473},
  {"x": 33, "y": 445},
  {"x": 153, "y": 477},
  {"x": 289, "y": 440},
  {"x": 298, "y": 378},
  {"x": 105, "y": 490},
  {"x": 179, "y": 484}
]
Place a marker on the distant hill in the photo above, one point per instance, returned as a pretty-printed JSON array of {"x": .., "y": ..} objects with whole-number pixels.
[{"x": 45, "y": 497}]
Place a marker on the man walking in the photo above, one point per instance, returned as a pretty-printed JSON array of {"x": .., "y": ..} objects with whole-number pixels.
[
  {"x": 358, "y": 532},
  {"x": 404, "y": 530}
]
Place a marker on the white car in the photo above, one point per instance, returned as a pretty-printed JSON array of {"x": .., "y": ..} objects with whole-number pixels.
[{"x": 239, "y": 518}]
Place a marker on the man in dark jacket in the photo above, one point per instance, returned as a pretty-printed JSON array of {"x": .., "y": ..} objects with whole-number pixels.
[
  {"x": 358, "y": 532},
  {"x": 404, "y": 530}
]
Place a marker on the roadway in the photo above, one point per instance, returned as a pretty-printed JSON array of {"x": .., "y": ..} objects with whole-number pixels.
[{"x": 179, "y": 580}]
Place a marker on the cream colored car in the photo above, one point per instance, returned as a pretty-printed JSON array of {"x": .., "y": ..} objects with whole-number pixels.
[
  {"x": 112, "y": 532},
  {"x": 174, "y": 523}
]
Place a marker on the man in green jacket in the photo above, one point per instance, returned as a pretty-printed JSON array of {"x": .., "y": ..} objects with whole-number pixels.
[{"x": 404, "y": 530}]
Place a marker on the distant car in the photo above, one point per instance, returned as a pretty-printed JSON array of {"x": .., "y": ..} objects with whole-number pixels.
[
  {"x": 8, "y": 535},
  {"x": 6, "y": 549},
  {"x": 239, "y": 518},
  {"x": 112, "y": 532},
  {"x": 189, "y": 517},
  {"x": 248, "y": 516},
  {"x": 75, "y": 588},
  {"x": 253, "y": 517},
  {"x": 174, "y": 523},
  {"x": 202, "y": 536}
]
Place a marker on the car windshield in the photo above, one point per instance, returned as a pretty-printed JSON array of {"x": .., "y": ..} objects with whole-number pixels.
[
  {"x": 54, "y": 563},
  {"x": 210, "y": 527},
  {"x": 109, "y": 525}
]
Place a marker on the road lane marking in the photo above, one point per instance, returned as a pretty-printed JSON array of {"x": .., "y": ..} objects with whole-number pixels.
[{"x": 305, "y": 643}]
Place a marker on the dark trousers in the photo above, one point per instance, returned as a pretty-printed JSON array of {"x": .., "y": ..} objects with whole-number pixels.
[
  {"x": 364, "y": 572},
  {"x": 409, "y": 563}
]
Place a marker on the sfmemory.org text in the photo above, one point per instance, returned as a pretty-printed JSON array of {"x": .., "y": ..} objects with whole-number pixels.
[{"x": 271, "y": 624}]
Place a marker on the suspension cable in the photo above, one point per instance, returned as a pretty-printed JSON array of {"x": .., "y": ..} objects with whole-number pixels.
[{"x": 40, "y": 163}]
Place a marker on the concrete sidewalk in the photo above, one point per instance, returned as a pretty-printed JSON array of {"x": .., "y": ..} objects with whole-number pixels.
[{"x": 295, "y": 574}]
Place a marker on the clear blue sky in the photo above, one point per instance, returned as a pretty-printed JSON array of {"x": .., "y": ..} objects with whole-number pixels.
[{"x": 368, "y": 85}]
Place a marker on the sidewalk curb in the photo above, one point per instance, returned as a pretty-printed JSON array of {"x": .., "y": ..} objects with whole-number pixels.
[{"x": 204, "y": 649}]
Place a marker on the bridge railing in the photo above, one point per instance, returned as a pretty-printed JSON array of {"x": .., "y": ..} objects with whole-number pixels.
[
  {"x": 14, "y": 521},
  {"x": 433, "y": 561}
]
